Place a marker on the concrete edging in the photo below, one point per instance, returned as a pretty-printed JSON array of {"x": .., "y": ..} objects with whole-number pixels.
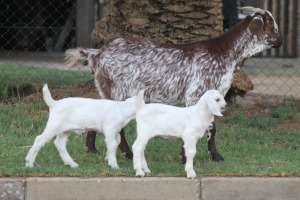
[{"x": 129, "y": 188}]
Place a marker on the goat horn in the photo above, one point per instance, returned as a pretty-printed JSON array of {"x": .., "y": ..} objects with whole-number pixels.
[{"x": 252, "y": 9}]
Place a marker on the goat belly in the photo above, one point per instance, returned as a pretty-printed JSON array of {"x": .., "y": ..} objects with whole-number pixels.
[{"x": 169, "y": 74}]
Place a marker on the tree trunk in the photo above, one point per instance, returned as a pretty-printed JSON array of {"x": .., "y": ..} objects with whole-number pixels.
[
  {"x": 174, "y": 21},
  {"x": 177, "y": 21}
]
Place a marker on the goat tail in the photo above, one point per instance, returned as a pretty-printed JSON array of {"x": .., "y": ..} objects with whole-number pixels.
[
  {"x": 139, "y": 102},
  {"x": 47, "y": 96},
  {"x": 75, "y": 56}
]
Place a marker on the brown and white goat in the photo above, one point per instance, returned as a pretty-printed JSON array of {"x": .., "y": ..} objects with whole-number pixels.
[{"x": 176, "y": 73}]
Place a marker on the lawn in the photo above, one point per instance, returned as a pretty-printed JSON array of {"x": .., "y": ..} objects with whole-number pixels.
[{"x": 255, "y": 141}]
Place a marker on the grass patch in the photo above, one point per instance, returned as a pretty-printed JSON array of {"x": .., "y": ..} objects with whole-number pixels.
[
  {"x": 251, "y": 143},
  {"x": 19, "y": 80}
]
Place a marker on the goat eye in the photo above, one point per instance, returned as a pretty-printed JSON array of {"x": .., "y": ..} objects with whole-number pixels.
[{"x": 217, "y": 100}]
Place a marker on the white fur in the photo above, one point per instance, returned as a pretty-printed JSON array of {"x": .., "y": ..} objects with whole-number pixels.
[
  {"x": 188, "y": 123},
  {"x": 79, "y": 115}
]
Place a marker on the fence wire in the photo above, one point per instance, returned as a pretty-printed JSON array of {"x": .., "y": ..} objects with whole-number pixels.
[{"x": 35, "y": 33}]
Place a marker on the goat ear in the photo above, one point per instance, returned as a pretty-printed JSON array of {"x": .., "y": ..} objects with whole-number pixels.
[
  {"x": 213, "y": 106},
  {"x": 256, "y": 27}
]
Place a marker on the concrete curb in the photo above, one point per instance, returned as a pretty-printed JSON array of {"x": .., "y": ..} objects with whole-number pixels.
[{"x": 127, "y": 188}]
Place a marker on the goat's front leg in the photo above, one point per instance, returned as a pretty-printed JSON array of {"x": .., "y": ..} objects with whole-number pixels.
[
  {"x": 90, "y": 142},
  {"x": 211, "y": 144},
  {"x": 112, "y": 145},
  {"x": 190, "y": 151}
]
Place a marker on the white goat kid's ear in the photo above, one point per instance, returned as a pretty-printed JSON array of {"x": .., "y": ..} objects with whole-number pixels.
[{"x": 213, "y": 106}]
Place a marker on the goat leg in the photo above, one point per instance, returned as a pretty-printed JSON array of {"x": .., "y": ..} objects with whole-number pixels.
[
  {"x": 90, "y": 142},
  {"x": 182, "y": 155},
  {"x": 212, "y": 146},
  {"x": 123, "y": 146}
]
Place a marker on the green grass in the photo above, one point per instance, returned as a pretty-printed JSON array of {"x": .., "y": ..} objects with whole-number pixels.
[
  {"x": 251, "y": 140},
  {"x": 252, "y": 143},
  {"x": 18, "y": 79}
]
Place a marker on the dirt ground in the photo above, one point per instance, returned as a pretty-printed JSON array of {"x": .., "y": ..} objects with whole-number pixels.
[{"x": 86, "y": 90}]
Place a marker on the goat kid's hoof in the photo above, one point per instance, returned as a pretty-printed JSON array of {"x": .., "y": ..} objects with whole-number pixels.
[
  {"x": 115, "y": 166},
  {"x": 216, "y": 157},
  {"x": 191, "y": 175},
  {"x": 29, "y": 165},
  {"x": 140, "y": 174},
  {"x": 74, "y": 165},
  {"x": 147, "y": 171}
]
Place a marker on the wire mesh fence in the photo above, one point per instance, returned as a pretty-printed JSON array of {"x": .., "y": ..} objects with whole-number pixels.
[{"x": 35, "y": 33}]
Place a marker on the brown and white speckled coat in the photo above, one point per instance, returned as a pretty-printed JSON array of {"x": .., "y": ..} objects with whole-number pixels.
[{"x": 177, "y": 73}]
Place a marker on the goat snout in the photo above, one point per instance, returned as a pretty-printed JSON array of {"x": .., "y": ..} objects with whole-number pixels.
[
  {"x": 278, "y": 42},
  {"x": 223, "y": 107}
]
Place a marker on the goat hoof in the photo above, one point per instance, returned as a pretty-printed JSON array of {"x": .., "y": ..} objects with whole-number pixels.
[
  {"x": 92, "y": 150},
  {"x": 140, "y": 174},
  {"x": 29, "y": 165},
  {"x": 74, "y": 165},
  {"x": 128, "y": 156},
  {"x": 216, "y": 157},
  {"x": 191, "y": 175},
  {"x": 115, "y": 166}
]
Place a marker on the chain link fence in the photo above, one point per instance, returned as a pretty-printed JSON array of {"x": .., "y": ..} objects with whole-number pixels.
[{"x": 35, "y": 33}]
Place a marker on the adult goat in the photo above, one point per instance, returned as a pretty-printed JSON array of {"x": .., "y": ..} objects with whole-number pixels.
[{"x": 176, "y": 73}]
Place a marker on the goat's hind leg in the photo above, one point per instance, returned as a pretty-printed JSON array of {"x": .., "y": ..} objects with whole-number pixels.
[
  {"x": 90, "y": 142},
  {"x": 139, "y": 162},
  {"x": 60, "y": 144},
  {"x": 112, "y": 142},
  {"x": 123, "y": 146},
  {"x": 39, "y": 142},
  {"x": 182, "y": 155}
]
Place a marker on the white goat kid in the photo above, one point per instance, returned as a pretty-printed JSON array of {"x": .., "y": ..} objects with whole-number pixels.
[
  {"x": 188, "y": 123},
  {"x": 79, "y": 115}
]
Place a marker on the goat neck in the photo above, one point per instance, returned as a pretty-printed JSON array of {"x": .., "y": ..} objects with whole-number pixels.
[{"x": 240, "y": 43}]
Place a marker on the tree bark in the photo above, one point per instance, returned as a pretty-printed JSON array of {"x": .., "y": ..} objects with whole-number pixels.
[{"x": 174, "y": 21}]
